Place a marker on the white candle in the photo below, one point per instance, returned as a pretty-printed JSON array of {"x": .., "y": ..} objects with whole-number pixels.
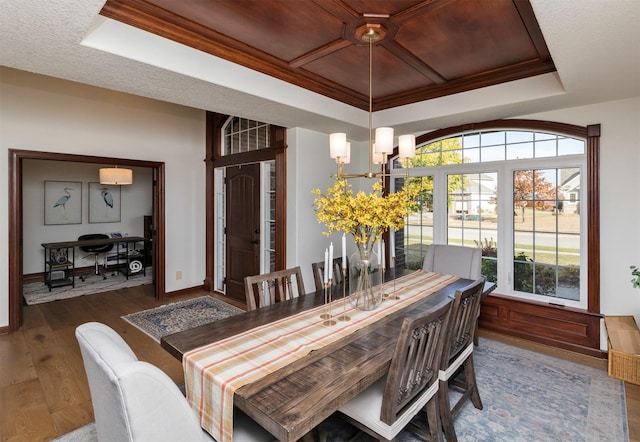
[
  {"x": 382, "y": 253},
  {"x": 344, "y": 251},
  {"x": 326, "y": 266},
  {"x": 392, "y": 245},
  {"x": 330, "y": 272},
  {"x": 379, "y": 250}
]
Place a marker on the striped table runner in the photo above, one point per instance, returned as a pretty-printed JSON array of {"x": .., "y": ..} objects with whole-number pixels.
[{"x": 213, "y": 372}]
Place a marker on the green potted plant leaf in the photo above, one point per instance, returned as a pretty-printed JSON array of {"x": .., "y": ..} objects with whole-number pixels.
[{"x": 635, "y": 272}]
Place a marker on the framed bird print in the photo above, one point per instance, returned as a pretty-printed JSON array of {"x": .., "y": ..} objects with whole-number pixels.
[
  {"x": 62, "y": 202},
  {"x": 104, "y": 203}
]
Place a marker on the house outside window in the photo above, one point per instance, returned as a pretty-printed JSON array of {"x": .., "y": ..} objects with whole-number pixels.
[{"x": 514, "y": 193}]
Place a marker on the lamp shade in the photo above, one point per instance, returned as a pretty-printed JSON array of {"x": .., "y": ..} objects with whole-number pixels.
[
  {"x": 406, "y": 146},
  {"x": 347, "y": 158},
  {"x": 384, "y": 140},
  {"x": 338, "y": 145},
  {"x": 376, "y": 158},
  {"x": 115, "y": 175}
]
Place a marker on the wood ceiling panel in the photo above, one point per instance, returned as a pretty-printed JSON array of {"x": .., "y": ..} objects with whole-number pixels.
[
  {"x": 469, "y": 39},
  {"x": 428, "y": 49},
  {"x": 350, "y": 67},
  {"x": 272, "y": 27}
]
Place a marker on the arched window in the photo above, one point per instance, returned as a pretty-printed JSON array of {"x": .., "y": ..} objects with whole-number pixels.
[{"x": 518, "y": 189}]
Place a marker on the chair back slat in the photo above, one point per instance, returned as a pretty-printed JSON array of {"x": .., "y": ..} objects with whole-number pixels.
[
  {"x": 416, "y": 360},
  {"x": 269, "y": 288},
  {"x": 464, "y": 315}
]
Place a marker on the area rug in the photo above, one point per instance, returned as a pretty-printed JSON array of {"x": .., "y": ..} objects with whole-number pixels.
[
  {"x": 178, "y": 316},
  {"x": 527, "y": 396},
  {"x": 38, "y": 292}
]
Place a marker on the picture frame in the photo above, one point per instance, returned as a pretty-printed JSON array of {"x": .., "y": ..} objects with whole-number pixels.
[
  {"x": 62, "y": 202},
  {"x": 104, "y": 203}
]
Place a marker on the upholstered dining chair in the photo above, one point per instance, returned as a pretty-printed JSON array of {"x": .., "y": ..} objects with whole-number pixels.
[
  {"x": 136, "y": 401},
  {"x": 465, "y": 262},
  {"x": 336, "y": 275},
  {"x": 269, "y": 288},
  {"x": 411, "y": 385},
  {"x": 458, "y": 352}
]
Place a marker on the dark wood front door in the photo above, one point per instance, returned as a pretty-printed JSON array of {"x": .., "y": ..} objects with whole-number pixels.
[{"x": 243, "y": 227}]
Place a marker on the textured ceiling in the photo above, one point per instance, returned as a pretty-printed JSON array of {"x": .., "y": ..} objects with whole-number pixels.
[{"x": 594, "y": 44}]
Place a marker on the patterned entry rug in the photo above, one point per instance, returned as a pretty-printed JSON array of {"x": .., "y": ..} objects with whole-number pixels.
[
  {"x": 38, "y": 292},
  {"x": 527, "y": 397},
  {"x": 178, "y": 316}
]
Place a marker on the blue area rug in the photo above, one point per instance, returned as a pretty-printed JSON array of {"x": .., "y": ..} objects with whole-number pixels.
[
  {"x": 527, "y": 396},
  {"x": 178, "y": 316}
]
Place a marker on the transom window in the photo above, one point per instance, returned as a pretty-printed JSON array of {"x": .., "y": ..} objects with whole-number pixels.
[
  {"x": 242, "y": 135},
  {"x": 514, "y": 193}
]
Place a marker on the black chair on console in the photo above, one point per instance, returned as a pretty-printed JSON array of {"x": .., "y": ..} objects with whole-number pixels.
[{"x": 95, "y": 250}]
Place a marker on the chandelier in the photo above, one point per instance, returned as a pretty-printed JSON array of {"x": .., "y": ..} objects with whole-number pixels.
[{"x": 382, "y": 146}]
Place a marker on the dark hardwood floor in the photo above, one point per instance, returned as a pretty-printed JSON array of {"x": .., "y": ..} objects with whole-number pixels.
[{"x": 43, "y": 387}]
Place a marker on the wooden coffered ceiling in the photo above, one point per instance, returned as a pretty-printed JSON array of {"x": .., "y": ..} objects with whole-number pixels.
[{"x": 428, "y": 48}]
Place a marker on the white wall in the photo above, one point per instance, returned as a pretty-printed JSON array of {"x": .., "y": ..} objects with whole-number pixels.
[
  {"x": 45, "y": 114},
  {"x": 135, "y": 202}
]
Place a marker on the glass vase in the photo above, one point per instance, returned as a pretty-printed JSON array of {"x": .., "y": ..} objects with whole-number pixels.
[{"x": 365, "y": 278}]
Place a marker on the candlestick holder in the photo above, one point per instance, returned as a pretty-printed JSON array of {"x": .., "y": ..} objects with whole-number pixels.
[
  {"x": 393, "y": 294},
  {"x": 328, "y": 288},
  {"x": 344, "y": 316}
]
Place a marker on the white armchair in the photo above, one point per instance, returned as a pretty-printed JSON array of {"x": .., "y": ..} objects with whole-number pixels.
[
  {"x": 136, "y": 401},
  {"x": 464, "y": 262}
]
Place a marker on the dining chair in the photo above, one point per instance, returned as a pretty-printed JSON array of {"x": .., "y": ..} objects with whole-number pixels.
[
  {"x": 458, "y": 352},
  {"x": 411, "y": 385},
  {"x": 269, "y": 288},
  {"x": 318, "y": 272},
  {"x": 136, "y": 401},
  {"x": 465, "y": 262}
]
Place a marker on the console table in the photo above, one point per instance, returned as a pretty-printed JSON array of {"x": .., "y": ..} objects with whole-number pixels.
[{"x": 57, "y": 261}]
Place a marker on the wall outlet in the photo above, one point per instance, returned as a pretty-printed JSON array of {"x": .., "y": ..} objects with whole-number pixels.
[{"x": 178, "y": 275}]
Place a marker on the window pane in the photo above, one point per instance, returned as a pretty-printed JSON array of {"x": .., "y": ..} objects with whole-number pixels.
[
  {"x": 418, "y": 230},
  {"x": 496, "y": 153},
  {"x": 520, "y": 151},
  {"x": 518, "y": 137},
  {"x": 472, "y": 220},
  {"x": 471, "y": 140},
  {"x": 570, "y": 146},
  {"x": 547, "y": 232},
  {"x": 492, "y": 138},
  {"x": 471, "y": 155},
  {"x": 546, "y": 149}
]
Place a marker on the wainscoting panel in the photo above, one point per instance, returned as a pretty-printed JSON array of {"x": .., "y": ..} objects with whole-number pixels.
[{"x": 562, "y": 327}]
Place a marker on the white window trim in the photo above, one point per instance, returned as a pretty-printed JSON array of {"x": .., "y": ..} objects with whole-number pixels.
[{"x": 504, "y": 170}]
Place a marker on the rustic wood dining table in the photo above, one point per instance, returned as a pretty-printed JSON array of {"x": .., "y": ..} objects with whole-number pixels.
[{"x": 293, "y": 400}]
